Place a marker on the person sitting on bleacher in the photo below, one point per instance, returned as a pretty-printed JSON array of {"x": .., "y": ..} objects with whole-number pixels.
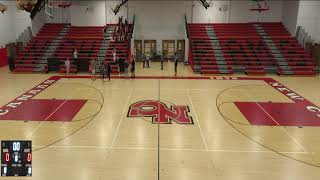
[
  {"x": 116, "y": 29},
  {"x": 119, "y": 21},
  {"x": 122, "y": 36},
  {"x": 126, "y": 30},
  {"x": 126, "y": 26},
  {"x": 118, "y": 34},
  {"x": 120, "y": 24}
]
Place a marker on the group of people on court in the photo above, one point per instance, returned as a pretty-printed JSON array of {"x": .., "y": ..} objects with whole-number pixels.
[
  {"x": 146, "y": 61},
  {"x": 106, "y": 70}
]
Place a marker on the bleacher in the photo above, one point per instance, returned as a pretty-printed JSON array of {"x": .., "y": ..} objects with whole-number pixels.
[
  {"x": 32, "y": 57},
  {"x": 296, "y": 59},
  {"x": 247, "y": 47},
  {"x": 122, "y": 49},
  {"x": 89, "y": 42}
]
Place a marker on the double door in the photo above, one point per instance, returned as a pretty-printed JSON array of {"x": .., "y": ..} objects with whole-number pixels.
[{"x": 170, "y": 47}]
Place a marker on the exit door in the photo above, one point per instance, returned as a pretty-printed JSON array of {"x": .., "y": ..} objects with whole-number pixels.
[
  {"x": 150, "y": 47},
  {"x": 138, "y": 49},
  {"x": 181, "y": 50},
  {"x": 168, "y": 48}
]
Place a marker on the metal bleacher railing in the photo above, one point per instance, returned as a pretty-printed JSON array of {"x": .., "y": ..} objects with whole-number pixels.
[{"x": 190, "y": 42}]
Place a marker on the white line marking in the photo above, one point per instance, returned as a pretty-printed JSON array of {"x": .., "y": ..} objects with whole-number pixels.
[
  {"x": 196, "y": 118},
  {"x": 56, "y": 109},
  {"x": 173, "y": 149},
  {"x": 35, "y": 129},
  {"x": 122, "y": 115},
  {"x": 282, "y": 128},
  {"x": 176, "y": 89}
]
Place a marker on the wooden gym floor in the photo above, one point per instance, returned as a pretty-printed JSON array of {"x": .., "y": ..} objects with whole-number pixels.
[{"x": 240, "y": 127}]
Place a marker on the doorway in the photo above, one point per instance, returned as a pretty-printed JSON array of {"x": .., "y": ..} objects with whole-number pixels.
[
  {"x": 181, "y": 49},
  {"x": 138, "y": 49},
  {"x": 168, "y": 48},
  {"x": 150, "y": 48}
]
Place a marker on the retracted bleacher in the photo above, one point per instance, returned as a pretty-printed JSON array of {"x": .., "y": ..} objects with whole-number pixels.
[
  {"x": 53, "y": 44},
  {"x": 253, "y": 48}
]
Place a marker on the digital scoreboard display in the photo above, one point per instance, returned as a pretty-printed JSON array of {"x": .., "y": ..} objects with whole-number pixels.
[{"x": 16, "y": 158}]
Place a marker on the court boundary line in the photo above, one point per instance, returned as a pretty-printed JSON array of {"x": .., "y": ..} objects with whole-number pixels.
[
  {"x": 263, "y": 79},
  {"x": 122, "y": 116},
  {"x": 196, "y": 117},
  {"x": 172, "y": 149},
  {"x": 268, "y": 80}
]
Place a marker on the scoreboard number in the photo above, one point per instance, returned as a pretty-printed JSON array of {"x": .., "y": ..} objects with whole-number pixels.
[
  {"x": 16, "y": 146},
  {"x": 16, "y": 158}
]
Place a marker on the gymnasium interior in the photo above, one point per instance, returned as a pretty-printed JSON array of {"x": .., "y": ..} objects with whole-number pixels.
[{"x": 159, "y": 89}]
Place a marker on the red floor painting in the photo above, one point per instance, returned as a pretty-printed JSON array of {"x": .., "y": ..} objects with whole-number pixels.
[
  {"x": 299, "y": 113},
  {"x": 25, "y": 108}
]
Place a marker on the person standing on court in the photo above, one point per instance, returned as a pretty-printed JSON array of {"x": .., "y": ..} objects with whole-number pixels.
[
  {"x": 126, "y": 69},
  {"x": 67, "y": 64},
  {"x": 133, "y": 67},
  {"x": 175, "y": 63},
  {"x": 148, "y": 61},
  {"x": 161, "y": 60},
  {"x": 74, "y": 55},
  {"x": 109, "y": 71},
  {"x": 144, "y": 60},
  {"x": 103, "y": 69},
  {"x": 93, "y": 69}
]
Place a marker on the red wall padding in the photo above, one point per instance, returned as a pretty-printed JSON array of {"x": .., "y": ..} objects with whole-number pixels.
[{"x": 3, "y": 57}]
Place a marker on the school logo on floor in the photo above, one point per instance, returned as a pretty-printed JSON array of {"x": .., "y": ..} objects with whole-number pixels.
[{"x": 160, "y": 113}]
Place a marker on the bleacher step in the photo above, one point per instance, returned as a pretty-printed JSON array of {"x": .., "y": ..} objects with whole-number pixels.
[
  {"x": 221, "y": 62},
  {"x": 281, "y": 62},
  {"x": 224, "y": 71},
  {"x": 287, "y": 73},
  {"x": 197, "y": 68},
  {"x": 238, "y": 68},
  {"x": 103, "y": 49}
]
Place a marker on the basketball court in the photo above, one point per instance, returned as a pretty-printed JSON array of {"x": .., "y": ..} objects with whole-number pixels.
[
  {"x": 158, "y": 125},
  {"x": 199, "y": 90}
]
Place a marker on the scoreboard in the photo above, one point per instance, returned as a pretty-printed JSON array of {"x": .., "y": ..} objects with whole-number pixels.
[{"x": 16, "y": 158}]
